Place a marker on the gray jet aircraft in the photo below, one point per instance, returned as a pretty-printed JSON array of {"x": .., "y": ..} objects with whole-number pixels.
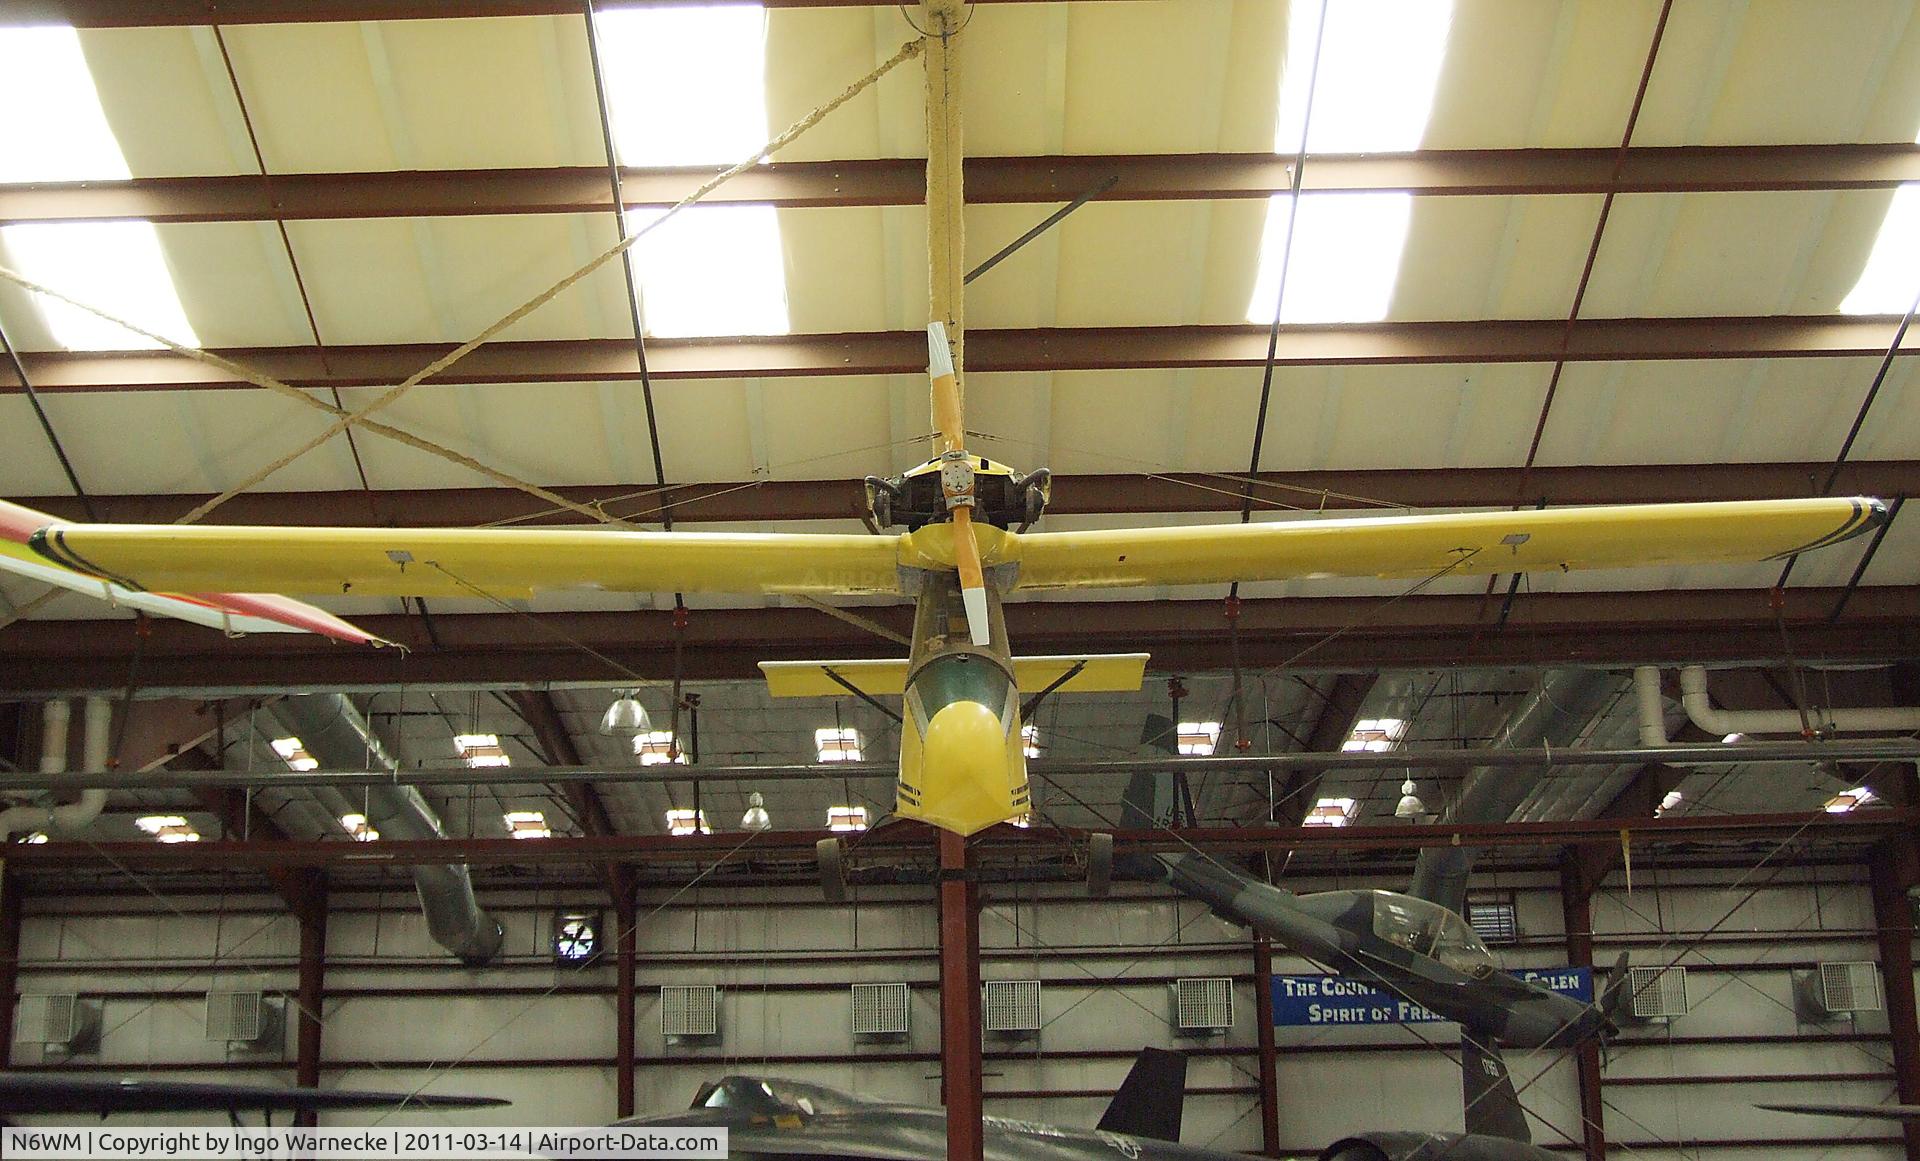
[
  {"x": 1413, "y": 948},
  {"x": 772, "y": 1118}
]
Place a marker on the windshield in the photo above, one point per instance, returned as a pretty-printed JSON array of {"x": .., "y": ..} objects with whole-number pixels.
[
  {"x": 1429, "y": 929},
  {"x": 771, "y": 1097}
]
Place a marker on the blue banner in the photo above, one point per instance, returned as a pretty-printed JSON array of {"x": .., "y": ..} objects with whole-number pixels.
[{"x": 1322, "y": 1001}]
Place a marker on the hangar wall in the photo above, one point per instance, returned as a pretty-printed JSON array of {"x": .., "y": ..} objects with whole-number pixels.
[{"x": 543, "y": 1035}]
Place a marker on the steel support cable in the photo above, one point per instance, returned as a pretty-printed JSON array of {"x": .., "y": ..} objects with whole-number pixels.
[
  {"x": 286, "y": 244},
  {"x": 605, "y": 108}
]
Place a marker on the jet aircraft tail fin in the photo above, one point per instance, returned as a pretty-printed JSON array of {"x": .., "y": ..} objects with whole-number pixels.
[
  {"x": 1492, "y": 1106},
  {"x": 1148, "y": 1103}
]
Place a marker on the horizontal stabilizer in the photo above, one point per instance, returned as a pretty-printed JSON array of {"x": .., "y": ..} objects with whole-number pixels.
[
  {"x": 27, "y": 1093},
  {"x": 1875, "y": 1112},
  {"x": 1091, "y": 673}
]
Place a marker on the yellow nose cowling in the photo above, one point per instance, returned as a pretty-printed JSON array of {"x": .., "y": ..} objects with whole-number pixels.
[{"x": 967, "y": 773}]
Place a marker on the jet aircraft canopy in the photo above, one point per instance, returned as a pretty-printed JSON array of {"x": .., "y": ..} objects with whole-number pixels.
[
  {"x": 1427, "y": 928},
  {"x": 773, "y": 1097}
]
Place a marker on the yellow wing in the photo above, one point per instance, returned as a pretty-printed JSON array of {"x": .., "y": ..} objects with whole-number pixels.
[
  {"x": 1419, "y": 546},
  {"x": 1084, "y": 673},
  {"x": 465, "y": 562}
]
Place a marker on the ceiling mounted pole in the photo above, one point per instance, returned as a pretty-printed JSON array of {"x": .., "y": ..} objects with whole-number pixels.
[{"x": 941, "y": 21}]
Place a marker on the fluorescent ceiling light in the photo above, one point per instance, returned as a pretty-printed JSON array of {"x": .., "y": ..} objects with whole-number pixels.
[
  {"x": 1030, "y": 740},
  {"x": 655, "y": 748},
  {"x": 1197, "y": 739},
  {"x": 36, "y": 838},
  {"x": 1373, "y": 92},
  {"x": 687, "y": 821},
  {"x": 356, "y": 825},
  {"x": 687, "y": 86},
  {"x": 846, "y": 818},
  {"x": 294, "y": 753},
  {"x": 1890, "y": 279},
  {"x": 1330, "y": 812},
  {"x": 1375, "y": 734},
  {"x": 58, "y": 131},
  {"x": 481, "y": 750},
  {"x": 527, "y": 824},
  {"x": 837, "y": 744}
]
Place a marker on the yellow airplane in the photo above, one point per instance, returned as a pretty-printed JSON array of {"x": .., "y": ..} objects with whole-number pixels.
[{"x": 962, "y": 764}]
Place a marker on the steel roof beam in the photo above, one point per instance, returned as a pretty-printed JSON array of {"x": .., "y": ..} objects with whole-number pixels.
[
  {"x": 990, "y": 350},
  {"x": 1614, "y": 629},
  {"x": 725, "y": 846},
  {"x": 990, "y": 180},
  {"x": 1360, "y": 490}
]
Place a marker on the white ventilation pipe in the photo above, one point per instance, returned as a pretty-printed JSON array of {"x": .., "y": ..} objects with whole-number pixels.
[
  {"x": 1700, "y": 708},
  {"x": 97, "y": 739},
  {"x": 1652, "y": 710}
]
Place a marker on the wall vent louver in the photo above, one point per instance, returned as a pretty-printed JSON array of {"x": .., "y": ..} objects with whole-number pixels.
[
  {"x": 880, "y": 1009},
  {"x": 236, "y": 1016},
  {"x": 1657, "y": 993},
  {"x": 1203, "y": 1004},
  {"x": 1848, "y": 987},
  {"x": 689, "y": 1010},
  {"x": 1011, "y": 1007}
]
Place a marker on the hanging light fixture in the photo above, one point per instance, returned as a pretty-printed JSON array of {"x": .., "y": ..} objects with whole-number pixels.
[
  {"x": 626, "y": 717},
  {"x": 756, "y": 817},
  {"x": 1410, "y": 804}
]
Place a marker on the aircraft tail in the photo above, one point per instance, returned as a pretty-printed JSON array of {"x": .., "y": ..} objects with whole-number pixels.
[
  {"x": 1492, "y": 1106},
  {"x": 1149, "y": 1102}
]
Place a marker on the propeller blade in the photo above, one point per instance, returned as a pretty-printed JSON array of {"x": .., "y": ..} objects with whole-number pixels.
[
  {"x": 946, "y": 389},
  {"x": 973, "y": 585}
]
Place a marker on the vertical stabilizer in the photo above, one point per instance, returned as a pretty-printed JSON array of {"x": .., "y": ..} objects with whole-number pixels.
[
  {"x": 1148, "y": 1103},
  {"x": 1493, "y": 1108}
]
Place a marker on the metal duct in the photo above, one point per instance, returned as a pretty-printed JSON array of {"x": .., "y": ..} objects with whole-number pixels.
[
  {"x": 1554, "y": 714},
  {"x": 72, "y": 817},
  {"x": 334, "y": 731}
]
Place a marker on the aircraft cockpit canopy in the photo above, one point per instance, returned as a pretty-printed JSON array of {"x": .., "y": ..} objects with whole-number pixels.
[
  {"x": 1427, "y": 928},
  {"x": 774, "y": 1097}
]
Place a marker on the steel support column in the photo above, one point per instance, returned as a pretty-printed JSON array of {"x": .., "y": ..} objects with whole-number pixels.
[
  {"x": 9, "y": 959},
  {"x": 310, "y": 996},
  {"x": 1894, "y": 869},
  {"x": 1269, "y": 1070},
  {"x": 626, "y": 949},
  {"x": 1576, "y": 909},
  {"x": 960, "y": 1089}
]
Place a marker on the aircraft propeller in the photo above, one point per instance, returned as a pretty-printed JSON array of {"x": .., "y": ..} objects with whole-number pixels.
[{"x": 956, "y": 481}]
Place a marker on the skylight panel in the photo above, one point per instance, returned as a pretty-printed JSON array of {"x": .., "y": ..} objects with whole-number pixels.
[
  {"x": 1197, "y": 739},
  {"x": 57, "y": 132},
  {"x": 656, "y": 748},
  {"x": 846, "y": 819},
  {"x": 168, "y": 828},
  {"x": 527, "y": 824},
  {"x": 60, "y": 133},
  {"x": 294, "y": 753},
  {"x": 687, "y": 86},
  {"x": 357, "y": 826},
  {"x": 1890, "y": 279},
  {"x": 683, "y": 820},
  {"x": 1373, "y": 92},
  {"x": 481, "y": 750},
  {"x": 1375, "y": 734},
  {"x": 712, "y": 270},
  {"x": 1847, "y": 800},
  {"x": 837, "y": 744},
  {"x": 1330, "y": 812}
]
